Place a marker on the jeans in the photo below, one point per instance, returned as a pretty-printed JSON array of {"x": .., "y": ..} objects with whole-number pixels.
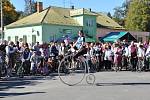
[{"x": 134, "y": 63}]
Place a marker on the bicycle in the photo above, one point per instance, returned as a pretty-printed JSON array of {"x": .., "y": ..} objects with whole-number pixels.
[{"x": 72, "y": 71}]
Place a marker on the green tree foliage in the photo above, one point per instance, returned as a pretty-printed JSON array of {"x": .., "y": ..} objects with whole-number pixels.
[
  {"x": 9, "y": 13},
  {"x": 138, "y": 16},
  {"x": 109, "y": 14},
  {"x": 119, "y": 15},
  {"x": 121, "y": 12}
]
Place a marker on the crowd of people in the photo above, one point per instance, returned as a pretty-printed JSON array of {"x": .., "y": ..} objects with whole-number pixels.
[{"x": 44, "y": 58}]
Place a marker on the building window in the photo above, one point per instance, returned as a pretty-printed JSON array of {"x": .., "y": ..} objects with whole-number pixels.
[
  {"x": 89, "y": 22},
  {"x": 9, "y": 38},
  {"x": 33, "y": 38},
  {"x": 136, "y": 37},
  {"x": 16, "y": 38},
  {"x": 24, "y": 38},
  {"x": 67, "y": 31},
  {"x": 140, "y": 39},
  {"x": 147, "y": 38}
]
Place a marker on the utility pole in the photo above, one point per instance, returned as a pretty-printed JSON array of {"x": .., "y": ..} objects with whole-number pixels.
[{"x": 2, "y": 20}]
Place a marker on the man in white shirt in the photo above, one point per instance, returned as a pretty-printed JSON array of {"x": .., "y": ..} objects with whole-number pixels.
[{"x": 141, "y": 56}]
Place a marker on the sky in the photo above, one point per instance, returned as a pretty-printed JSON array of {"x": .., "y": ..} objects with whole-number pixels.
[{"x": 96, "y": 5}]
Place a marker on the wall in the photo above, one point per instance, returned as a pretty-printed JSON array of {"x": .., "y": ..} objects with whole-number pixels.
[
  {"x": 143, "y": 35},
  {"x": 28, "y": 31},
  {"x": 79, "y": 19},
  {"x": 103, "y": 31},
  {"x": 90, "y": 25},
  {"x": 53, "y": 32}
]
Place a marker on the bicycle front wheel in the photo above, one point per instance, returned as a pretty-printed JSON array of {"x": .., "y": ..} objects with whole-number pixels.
[
  {"x": 71, "y": 72},
  {"x": 90, "y": 79}
]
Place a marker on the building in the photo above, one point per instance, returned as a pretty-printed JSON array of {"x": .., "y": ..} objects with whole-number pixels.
[
  {"x": 107, "y": 25},
  {"x": 52, "y": 23}
]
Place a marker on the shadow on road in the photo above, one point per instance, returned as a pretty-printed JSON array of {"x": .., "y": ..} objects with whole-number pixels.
[
  {"x": 4, "y": 95},
  {"x": 15, "y": 82},
  {"x": 19, "y": 83},
  {"x": 123, "y": 84}
]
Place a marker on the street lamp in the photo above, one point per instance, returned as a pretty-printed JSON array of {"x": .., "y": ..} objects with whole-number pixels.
[{"x": 1, "y": 20}]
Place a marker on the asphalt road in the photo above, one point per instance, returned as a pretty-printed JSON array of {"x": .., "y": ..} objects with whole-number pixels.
[{"x": 108, "y": 86}]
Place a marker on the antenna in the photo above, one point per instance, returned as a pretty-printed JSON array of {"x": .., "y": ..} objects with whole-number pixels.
[
  {"x": 67, "y": 3},
  {"x": 71, "y": 3},
  {"x": 64, "y": 3}
]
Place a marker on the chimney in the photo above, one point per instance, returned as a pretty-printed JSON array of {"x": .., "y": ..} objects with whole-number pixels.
[
  {"x": 39, "y": 6},
  {"x": 72, "y": 7},
  {"x": 90, "y": 9}
]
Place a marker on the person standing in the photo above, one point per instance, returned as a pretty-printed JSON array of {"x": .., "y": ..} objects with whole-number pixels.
[
  {"x": 10, "y": 58},
  {"x": 141, "y": 56},
  {"x": 26, "y": 58},
  {"x": 108, "y": 57},
  {"x": 133, "y": 55}
]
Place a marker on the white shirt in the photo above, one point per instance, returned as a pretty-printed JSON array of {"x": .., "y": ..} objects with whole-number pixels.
[
  {"x": 140, "y": 52},
  {"x": 8, "y": 51},
  {"x": 108, "y": 55},
  {"x": 126, "y": 51},
  {"x": 61, "y": 50},
  {"x": 148, "y": 52}
]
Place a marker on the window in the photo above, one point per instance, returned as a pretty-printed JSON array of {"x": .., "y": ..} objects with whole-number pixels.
[
  {"x": 16, "y": 38},
  {"x": 140, "y": 39},
  {"x": 87, "y": 23},
  {"x": 67, "y": 31},
  {"x": 33, "y": 38},
  {"x": 24, "y": 38},
  {"x": 90, "y": 22},
  {"x": 9, "y": 38},
  {"x": 147, "y": 38},
  {"x": 135, "y": 37},
  {"x": 0, "y": 36}
]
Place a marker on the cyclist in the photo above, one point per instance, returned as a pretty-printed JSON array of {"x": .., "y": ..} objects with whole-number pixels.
[{"x": 80, "y": 45}]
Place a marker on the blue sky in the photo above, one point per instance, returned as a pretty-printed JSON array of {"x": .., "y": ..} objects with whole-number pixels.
[{"x": 95, "y": 5}]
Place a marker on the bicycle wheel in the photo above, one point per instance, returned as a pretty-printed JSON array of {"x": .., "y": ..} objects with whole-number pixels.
[
  {"x": 90, "y": 79},
  {"x": 71, "y": 72}
]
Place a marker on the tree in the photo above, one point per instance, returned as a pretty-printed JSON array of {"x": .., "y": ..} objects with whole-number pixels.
[
  {"x": 109, "y": 14},
  {"x": 138, "y": 16},
  {"x": 29, "y": 7},
  {"x": 9, "y": 13},
  {"x": 119, "y": 15},
  {"x": 121, "y": 12}
]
